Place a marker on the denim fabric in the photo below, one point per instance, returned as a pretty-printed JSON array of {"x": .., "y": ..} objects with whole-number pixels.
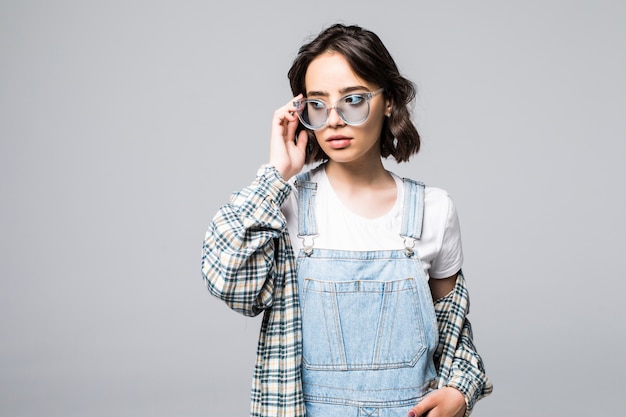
[{"x": 368, "y": 322}]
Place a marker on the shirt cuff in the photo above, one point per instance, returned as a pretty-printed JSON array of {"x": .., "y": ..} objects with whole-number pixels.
[
  {"x": 469, "y": 390},
  {"x": 277, "y": 188}
]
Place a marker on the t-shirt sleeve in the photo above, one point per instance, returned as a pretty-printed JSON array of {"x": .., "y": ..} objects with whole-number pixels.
[{"x": 449, "y": 258}]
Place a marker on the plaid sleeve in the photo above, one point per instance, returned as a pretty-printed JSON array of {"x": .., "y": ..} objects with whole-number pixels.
[
  {"x": 238, "y": 249},
  {"x": 460, "y": 366}
]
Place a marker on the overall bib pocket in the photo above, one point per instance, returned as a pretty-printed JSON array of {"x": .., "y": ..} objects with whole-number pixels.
[{"x": 361, "y": 325}]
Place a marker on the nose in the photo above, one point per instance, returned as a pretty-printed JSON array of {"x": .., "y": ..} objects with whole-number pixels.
[{"x": 334, "y": 119}]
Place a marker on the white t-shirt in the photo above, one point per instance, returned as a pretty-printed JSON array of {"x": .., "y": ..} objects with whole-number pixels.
[{"x": 439, "y": 248}]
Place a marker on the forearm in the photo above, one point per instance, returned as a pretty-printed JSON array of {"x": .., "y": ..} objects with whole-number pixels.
[
  {"x": 468, "y": 372},
  {"x": 238, "y": 249},
  {"x": 459, "y": 364}
]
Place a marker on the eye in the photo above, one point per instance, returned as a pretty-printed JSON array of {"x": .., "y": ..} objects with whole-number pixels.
[
  {"x": 316, "y": 104},
  {"x": 354, "y": 99}
]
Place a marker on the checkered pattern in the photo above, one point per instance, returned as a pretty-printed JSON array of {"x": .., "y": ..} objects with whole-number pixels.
[
  {"x": 459, "y": 364},
  {"x": 248, "y": 263}
]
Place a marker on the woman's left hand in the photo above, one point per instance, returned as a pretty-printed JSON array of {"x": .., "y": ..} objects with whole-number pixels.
[{"x": 444, "y": 402}]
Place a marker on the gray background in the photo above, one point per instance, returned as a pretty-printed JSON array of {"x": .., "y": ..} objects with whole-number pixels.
[{"x": 125, "y": 124}]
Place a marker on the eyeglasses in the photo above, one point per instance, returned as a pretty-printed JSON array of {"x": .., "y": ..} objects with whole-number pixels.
[{"x": 352, "y": 109}]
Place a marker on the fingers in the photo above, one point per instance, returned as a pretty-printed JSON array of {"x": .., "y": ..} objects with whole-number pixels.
[
  {"x": 286, "y": 118},
  {"x": 303, "y": 139},
  {"x": 287, "y": 153},
  {"x": 292, "y": 126},
  {"x": 423, "y": 407},
  {"x": 446, "y": 401}
]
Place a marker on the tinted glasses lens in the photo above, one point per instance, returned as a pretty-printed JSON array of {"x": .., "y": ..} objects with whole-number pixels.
[
  {"x": 315, "y": 113},
  {"x": 353, "y": 109},
  {"x": 312, "y": 113}
]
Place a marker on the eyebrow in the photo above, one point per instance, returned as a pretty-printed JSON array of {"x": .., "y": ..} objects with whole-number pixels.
[{"x": 344, "y": 90}]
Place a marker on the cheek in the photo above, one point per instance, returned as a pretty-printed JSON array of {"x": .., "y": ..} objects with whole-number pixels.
[
  {"x": 377, "y": 115},
  {"x": 374, "y": 124}
]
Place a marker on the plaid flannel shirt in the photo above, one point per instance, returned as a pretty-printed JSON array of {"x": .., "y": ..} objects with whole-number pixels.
[{"x": 248, "y": 262}]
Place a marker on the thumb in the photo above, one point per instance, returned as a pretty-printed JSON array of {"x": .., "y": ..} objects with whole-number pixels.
[
  {"x": 303, "y": 139},
  {"x": 422, "y": 407}
]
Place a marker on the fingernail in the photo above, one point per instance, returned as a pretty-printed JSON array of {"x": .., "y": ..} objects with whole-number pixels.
[{"x": 411, "y": 414}]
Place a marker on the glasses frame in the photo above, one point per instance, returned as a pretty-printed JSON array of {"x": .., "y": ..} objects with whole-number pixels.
[{"x": 299, "y": 105}]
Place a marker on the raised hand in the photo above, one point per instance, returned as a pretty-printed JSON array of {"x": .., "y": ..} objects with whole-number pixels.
[{"x": 287, "y": 154}]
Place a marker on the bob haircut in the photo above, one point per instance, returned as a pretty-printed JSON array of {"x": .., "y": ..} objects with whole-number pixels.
[{"x": 370, "y": 60}]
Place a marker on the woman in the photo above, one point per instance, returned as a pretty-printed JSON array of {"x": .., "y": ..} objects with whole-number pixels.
[{"x": 357, "y": 271}]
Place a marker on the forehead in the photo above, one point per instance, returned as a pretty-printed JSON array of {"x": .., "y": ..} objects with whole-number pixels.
[{"x": 330, "y": 73}]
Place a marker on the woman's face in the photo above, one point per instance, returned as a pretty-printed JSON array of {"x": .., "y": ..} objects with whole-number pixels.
[{"x": 329, "y": 78}]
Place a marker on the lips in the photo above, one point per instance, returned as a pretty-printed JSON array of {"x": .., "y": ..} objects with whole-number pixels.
[{"x": 338, "y": 141}]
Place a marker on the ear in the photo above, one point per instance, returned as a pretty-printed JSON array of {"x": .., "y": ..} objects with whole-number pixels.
[{"x": 388, "y": 107}]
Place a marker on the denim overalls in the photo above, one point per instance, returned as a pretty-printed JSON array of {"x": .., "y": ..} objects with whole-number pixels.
[{"x": 368, "y": 321}]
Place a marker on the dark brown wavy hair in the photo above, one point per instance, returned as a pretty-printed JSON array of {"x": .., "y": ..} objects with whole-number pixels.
[{"x": 369, "y": 59}]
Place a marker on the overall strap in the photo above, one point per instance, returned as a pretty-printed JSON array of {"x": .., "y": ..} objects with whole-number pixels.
[
  {"x": 307, "y": 225},
  {"x": 413, "y": 214}
]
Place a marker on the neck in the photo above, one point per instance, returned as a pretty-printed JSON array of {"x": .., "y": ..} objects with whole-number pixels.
[{"x": 368, "y": 190}]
